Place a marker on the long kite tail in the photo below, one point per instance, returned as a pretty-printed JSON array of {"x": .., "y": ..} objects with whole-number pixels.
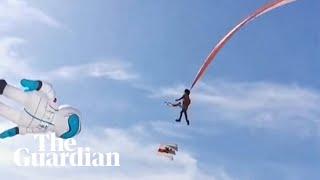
[{"x": 264, "y": 9}]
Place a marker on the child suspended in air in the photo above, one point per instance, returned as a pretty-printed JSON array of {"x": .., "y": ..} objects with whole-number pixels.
[{"x": 185, "y": 104}]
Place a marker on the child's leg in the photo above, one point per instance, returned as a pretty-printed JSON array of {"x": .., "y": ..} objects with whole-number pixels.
[
  {"x": 186, "y": 116},
  {"x": 178, "y": 120}
]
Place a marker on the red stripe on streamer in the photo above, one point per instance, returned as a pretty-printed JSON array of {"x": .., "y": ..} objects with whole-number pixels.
[{"x": 264, "y": 9}]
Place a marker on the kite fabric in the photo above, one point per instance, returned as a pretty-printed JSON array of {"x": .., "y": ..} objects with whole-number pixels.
[
  {"x": 264, "y": 9},
  {"x": 168, "y": 150}
]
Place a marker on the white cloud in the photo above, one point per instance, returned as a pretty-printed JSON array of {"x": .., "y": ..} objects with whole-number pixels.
[
  {"x": 138, "y": 158},
  {"x": 181, "y": 130},
  {"x": 115, "y": 70},
  {"x": 14, "y": 65},
  {"x": 14, "y": 13},
  {"x": 289, "y": 108}
]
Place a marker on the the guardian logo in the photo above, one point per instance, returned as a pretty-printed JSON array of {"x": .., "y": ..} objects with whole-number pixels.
[{"x": 63, "y": 153}]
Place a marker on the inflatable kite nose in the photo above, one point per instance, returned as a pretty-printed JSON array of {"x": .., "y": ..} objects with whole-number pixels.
[
  {"x": 74, "y": 127},
  {"x": 30, "y": 85}
]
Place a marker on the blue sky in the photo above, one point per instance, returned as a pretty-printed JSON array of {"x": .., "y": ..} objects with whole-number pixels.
[{"x": 256, "y": 110}]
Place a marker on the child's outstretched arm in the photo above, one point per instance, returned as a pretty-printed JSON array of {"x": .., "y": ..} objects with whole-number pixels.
[{"x": 180, "y": 98}]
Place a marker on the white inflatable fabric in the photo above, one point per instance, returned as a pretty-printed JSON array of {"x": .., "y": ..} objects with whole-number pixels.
[{"x": 41, "y": 112}]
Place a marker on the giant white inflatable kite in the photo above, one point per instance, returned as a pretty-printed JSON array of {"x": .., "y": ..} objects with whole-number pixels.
[
  {"x": 41, "y": 112},
  {"x": 264, "y": 9}
]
